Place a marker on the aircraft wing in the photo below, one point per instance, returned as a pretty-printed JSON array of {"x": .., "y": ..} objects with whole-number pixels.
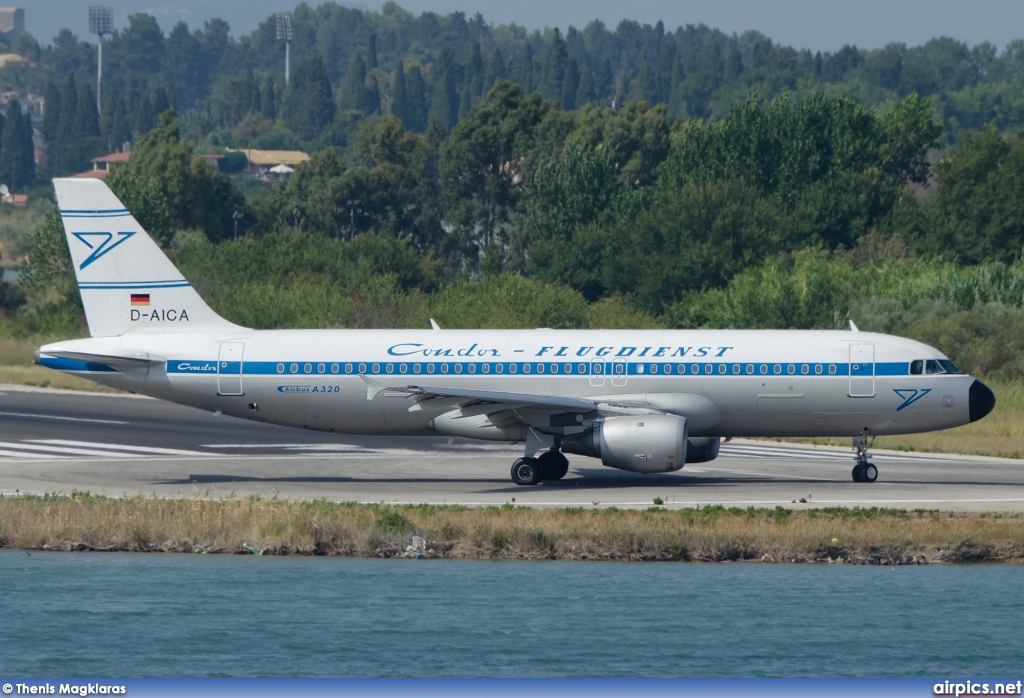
[{"x": 508, "y": 399}]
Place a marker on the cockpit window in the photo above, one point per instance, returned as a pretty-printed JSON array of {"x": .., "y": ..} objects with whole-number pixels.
[{"x": 932, "y": 367}]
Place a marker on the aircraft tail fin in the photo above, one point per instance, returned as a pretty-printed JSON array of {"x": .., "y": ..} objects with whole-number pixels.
[{"x": 127, "y": 283}]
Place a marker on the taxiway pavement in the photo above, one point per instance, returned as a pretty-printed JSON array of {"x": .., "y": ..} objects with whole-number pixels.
[{"x": 115, "y": 445}]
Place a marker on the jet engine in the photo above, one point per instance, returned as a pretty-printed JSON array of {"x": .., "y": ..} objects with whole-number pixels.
[
  {"x": 650, "y": 443},
  {"x": 701, "y": 449}
]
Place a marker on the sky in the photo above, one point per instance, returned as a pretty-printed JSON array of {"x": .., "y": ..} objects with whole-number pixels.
[{"x": 824, "y": 25}]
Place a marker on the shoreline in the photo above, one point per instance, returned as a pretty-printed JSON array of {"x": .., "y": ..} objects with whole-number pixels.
[{"x": 257, "y": 526}]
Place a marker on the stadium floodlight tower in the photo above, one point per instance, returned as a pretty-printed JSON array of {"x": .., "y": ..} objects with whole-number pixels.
[
  {"x": 284, "y": 33},
  {"x": 101, "y": 22}
]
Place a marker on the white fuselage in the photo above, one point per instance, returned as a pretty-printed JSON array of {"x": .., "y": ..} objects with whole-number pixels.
[{"x": 746, "y": 382}]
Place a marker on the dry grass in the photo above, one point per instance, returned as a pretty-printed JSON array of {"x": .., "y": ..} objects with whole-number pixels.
[
  {"x": 257, "y": 526},
  {"x": 1000, "y": 434}
]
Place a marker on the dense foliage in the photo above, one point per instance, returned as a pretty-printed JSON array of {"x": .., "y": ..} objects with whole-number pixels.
[{"x": 490, "y": 177}]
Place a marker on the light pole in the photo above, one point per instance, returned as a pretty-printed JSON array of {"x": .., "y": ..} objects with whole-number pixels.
[
  {"x": 236, "y": 216},
  {"x": 101, "y": 22},
  {"x": 284, "y": 33},
  {"x": 296, "y": 214}
]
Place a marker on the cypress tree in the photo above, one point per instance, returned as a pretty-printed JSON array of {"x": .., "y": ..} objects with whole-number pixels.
[
  {"x": 416, "y": 88},
  {"x": 353, "y": 95},
  {"x": 605, "y": 86},
  {"x": 87, "y": 120},
  {"x": 28, "y": 151},
  {"x": 527, "y": 74},
  {"x": 585, "y": 95},
  {"x": 160, "y": 102},
  {"x": 554, "y": 68},
  {"x": 399, "y": 98},
  {"x": 475, "y": 73},
  {"x": 666, "y": 63},
  {"x": 51, "y": 115},
  {"x": 446, "y": 98},
  {"x": 63, "y": 157},
  {"x": 371, "y": 53},
  {"x": 268, "y": 106},
  {"x": 646, "y": 87},
  {"x": 495, "y": 69},
  {"x": 570, "y": 84},
  {"x": 143, "y": 120},
  {"x": 311, "y": 106},
  {"x": 465, "y": 102},
  {"x": 114, "y": 124},
  {"x": 10, "y": 147}
]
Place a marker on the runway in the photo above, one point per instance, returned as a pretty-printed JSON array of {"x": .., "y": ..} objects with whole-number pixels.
[{"x": 115, "y": 445}]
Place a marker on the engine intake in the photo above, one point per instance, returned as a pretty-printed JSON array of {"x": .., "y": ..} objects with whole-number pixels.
[{"x": 650, "y": 443}]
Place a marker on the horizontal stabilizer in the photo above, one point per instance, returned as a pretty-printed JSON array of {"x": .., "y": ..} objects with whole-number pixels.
[{"x": 128, "y": 360}]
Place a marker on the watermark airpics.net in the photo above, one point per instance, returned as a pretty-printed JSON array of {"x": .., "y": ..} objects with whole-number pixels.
[{"x": 969, "y": 689}]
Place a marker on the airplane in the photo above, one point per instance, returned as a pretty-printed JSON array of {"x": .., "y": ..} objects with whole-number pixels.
[{"x": 645, "y": 401}]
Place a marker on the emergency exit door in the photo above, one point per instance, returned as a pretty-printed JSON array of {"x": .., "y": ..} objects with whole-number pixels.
[
  {"x": 229, "y": 368},
  {"x": 862, "y": 370}
]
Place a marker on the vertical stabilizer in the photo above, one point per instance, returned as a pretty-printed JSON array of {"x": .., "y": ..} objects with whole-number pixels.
[{"x": 127, "y": 283}]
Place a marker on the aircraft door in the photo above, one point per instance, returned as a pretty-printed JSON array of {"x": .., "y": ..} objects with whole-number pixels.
[
  {"x": 862, "y": 370},
  {"x": 619, "y": 373},
  {"x": 229, "y": 368},
  {"x": 597, "y": 371}
]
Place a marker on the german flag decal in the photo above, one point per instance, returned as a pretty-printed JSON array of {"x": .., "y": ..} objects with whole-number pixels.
[{"x": 140, "y": 299}]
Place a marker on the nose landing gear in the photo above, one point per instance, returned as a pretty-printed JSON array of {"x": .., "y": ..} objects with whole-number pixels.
[{"x": 864, "y": 471}]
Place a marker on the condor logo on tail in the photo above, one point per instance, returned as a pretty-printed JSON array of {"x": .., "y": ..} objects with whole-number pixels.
[{"x": 105, "y": 244}]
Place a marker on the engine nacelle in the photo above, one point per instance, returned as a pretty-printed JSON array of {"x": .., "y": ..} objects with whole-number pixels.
[
  {"x": 701, "y": 449},
  {"x": 650, "y": 443}
]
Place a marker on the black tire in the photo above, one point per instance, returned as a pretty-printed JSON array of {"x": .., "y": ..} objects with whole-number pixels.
[
  {"x": 869, "y": 473},
  {"x": 526, "y": 471},
  {"x": 858, "y": 473},
  {"x": 553, "y": 465}
]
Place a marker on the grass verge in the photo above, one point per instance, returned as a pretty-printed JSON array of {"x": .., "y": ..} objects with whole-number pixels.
[{"x": 257, "y": 525}]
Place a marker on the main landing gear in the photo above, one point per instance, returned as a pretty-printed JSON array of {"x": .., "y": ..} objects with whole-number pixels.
[
  {"x": 550, "y": 465},
  {"x": 864, "y": 471}
]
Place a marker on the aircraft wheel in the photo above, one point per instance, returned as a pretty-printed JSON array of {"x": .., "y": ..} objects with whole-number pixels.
[
  {"x": 526, "y": 471},
  {"x": 858, "y": 473},
  {"x": 869, "y": 473},
  {"x": 553, "y": 465}
]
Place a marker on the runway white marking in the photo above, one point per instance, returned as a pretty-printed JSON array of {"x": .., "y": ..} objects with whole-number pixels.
[
  {"x": 17, "y": 454},
  {"x": 65, "y": 419},
  {"x": 62, "y": 449},
  {"x": 117, "y": 447}
]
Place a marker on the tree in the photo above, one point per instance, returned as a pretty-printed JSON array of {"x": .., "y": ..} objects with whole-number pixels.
[
  {"x": 65, "y": 157},
  {"x": 570, "y": 84},
  {"x": 51, "y": 115},
  {"x": 446, "y": 97},
  {"x": 479, "y": 162},
  {"x": 143, "y": 45},
  {"x": 554, "y": 68},
  {"x": 371, "y": 53},
  {"x": 17, "y": 164},
  {"x": 586, "y": 95},
  {"x": 311, "y": 106},
  {"x": 114, "y": 126},
  {"x": 184, "y": 67},
  {"x": 399, "y": 98},
  {"x": 417, "y": 89},
  {"x": 356, "y": 95}
]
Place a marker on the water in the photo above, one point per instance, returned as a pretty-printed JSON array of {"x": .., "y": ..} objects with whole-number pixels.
[{"x": 67, "y": 614}]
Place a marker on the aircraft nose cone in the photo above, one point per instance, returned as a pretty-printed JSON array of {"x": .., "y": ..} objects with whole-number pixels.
[{"x": 981, "y": 400}]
